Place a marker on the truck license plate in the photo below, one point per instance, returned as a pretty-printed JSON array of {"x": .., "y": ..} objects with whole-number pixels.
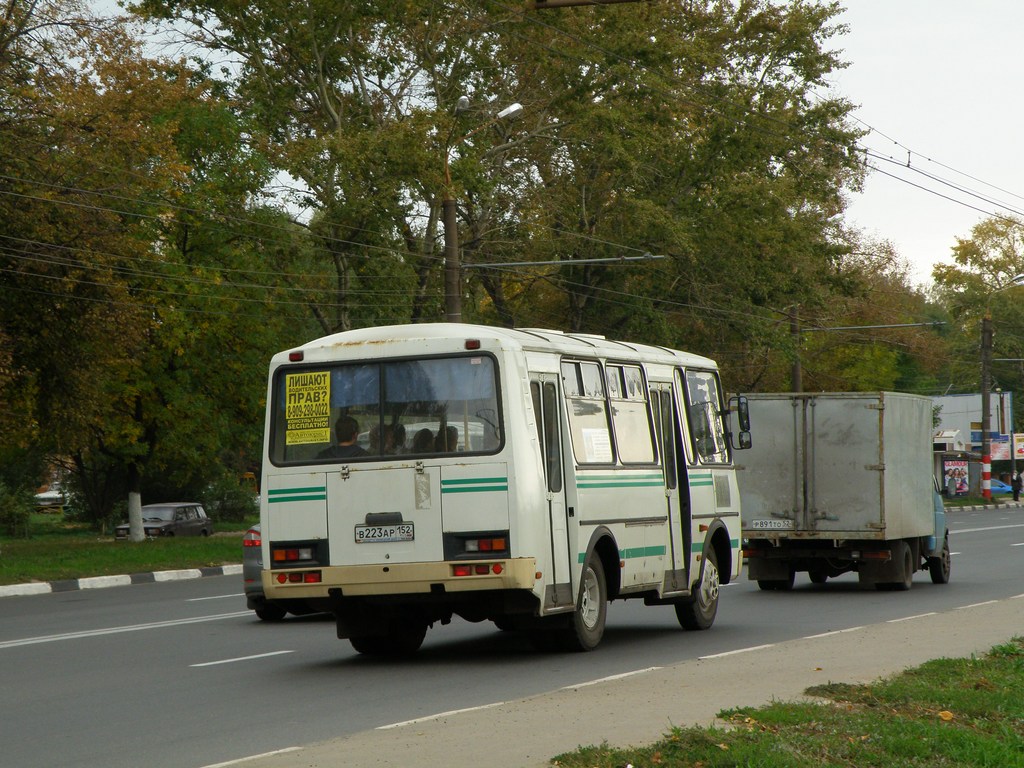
[
  {"x": 771, "y": 525},
  {"x": 370, "y": 534}
]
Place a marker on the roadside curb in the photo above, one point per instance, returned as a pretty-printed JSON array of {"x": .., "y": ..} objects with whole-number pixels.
[
  {"x": 123, "y": 580},
  {"x": 997, "y": 506}
]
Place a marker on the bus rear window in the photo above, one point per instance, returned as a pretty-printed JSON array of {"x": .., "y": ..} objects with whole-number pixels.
[{"x": 371, "y": 410}]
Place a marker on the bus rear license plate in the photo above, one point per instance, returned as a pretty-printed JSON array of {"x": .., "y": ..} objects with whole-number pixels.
[
  {"x": 371, "y": 534},
  {"x": 771, "y": 525}
]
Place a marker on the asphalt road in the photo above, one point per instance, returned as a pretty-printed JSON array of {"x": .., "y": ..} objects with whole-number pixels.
[{"x": 179, "y": 674}]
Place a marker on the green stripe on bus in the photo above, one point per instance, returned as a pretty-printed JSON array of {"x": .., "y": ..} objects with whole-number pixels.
[
  {"x": 473, "y": 480},
  {"x": 620, "y": 481},
  {"x": 702, "y": 479},
  {"x": 633, "y": 553},
  {"x": 698, "y": 548},
  {"x": 475, "y": 485},
  {"x": 476, "y": 489},
  {"x": 316, "y": 493}
]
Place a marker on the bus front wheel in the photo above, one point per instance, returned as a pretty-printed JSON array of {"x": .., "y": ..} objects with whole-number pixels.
[{"x": 699, "y": 612}]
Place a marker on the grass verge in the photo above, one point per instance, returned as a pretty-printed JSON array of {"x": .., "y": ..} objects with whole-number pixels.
[
  {"x": 965, "y": 713},
  {"x": 57, "y": 549}
]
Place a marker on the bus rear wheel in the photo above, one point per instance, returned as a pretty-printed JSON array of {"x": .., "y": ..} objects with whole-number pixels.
[
  {"x": 587, "y": 626},
  {"x": 699, "y": 612},
  {"x": 403, "y": 639}
]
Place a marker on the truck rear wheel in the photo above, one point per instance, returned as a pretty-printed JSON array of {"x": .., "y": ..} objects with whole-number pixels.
[
  {"x": 939, "y": 567},
  {"x": 402, "y": 639},
  {"x": 903, "y": 556}
]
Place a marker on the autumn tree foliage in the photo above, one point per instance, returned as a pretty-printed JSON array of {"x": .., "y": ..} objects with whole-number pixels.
[
  {"x": 677, "y": 177},
  {"x": 123, "y": 293}
]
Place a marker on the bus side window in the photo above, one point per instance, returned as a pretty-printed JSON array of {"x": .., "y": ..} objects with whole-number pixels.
[
  {"x": 588, "y": 412},
  {"x": 705, "y": 413},
  {"x": 627, "y": 398},
  {"x": 661, "y": 405},
  {"x": 552, "y": 438},
  {"x": 548, "y": 433}
]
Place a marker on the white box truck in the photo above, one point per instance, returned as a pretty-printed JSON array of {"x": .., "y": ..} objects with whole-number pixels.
[{"x": 839, "y": 482}]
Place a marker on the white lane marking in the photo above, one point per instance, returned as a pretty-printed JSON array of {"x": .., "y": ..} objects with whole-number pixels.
[
  {"x": 253, "y": 757},
  {"x": 910, "y": 618},
  {"x": 213, "y": 597},
  {"x": 1018, "y": 545},
  {"x": 240, "y": 658},
  {"x": 438, "y": 716},
  {"x": 833, "y": 632},
  {"x": 609, "y": 678},
  {"x": 116, "y": 630},
  {"x": 733, "y": 653},
  {"x": 975, "y": 605},
  {"x": 989, "y": 528}
]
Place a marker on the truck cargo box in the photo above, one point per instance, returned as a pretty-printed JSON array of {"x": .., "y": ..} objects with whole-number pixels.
[{"x": 838, "y": 466}]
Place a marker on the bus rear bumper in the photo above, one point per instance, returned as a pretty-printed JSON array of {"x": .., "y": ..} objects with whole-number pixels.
[{"x": 403, "y": 579}]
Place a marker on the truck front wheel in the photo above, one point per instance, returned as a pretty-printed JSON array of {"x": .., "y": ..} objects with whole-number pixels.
[{"x": 940, "y": 566}]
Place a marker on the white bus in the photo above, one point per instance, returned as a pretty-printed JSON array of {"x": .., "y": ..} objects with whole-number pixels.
[{"x": 527, "y": 477}]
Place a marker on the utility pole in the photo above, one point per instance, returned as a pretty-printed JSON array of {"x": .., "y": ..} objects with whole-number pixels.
[
  {"x": 986, "y": 407},
  {"x": 452, "y": 267},
  {"x": 796, "y": 382},
  {"x": 449, "y": 218}
]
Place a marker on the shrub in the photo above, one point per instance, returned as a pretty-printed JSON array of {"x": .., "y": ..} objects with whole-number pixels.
[
  {"x": 15, "y": 510},
  {"x": 228, "y": 500}
]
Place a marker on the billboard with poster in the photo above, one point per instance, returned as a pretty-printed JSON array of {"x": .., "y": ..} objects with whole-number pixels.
[{"x": 954, "y": 477}]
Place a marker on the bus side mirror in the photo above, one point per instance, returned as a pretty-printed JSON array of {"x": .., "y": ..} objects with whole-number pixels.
[{"x": 738, "y": 405}]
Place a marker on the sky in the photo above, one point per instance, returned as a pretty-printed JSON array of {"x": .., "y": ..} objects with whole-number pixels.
[{"x": 941, "y": 79}]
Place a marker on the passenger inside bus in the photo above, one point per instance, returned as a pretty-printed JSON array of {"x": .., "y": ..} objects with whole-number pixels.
[
  {"x": 346, "y": 432},
  {"x": 393, "y": 439},
  {"x": 447, "y": 440},
  {"x": 423, "y": 441}
]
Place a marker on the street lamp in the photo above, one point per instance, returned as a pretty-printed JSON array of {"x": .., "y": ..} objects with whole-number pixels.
[
  {"x": 452, "y": 267},
  {"x": 986, "y": 395}
]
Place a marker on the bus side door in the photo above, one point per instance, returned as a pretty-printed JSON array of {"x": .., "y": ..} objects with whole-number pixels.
[
  {"x": 547, "y": 404},
  {"x": 677, "y": 499}
]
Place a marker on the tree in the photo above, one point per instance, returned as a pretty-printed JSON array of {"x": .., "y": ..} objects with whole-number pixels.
[
  {"x": 688, "y": 131},
  {"x": 980, "y": 282},
  {"x": 137, "y": 302}
]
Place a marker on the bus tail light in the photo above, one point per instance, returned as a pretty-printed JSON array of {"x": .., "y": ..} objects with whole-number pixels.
[
  {"x": 477, "y": 569},
  {"x": 292, "y": 554},
  {"x": 300, "y": 577},
  {"x": 495, "y": 544}
]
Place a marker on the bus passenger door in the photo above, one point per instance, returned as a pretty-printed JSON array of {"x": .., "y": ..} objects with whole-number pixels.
[
  {"x": 677, "y": 498},
  {"x": 546, "y": 406}
]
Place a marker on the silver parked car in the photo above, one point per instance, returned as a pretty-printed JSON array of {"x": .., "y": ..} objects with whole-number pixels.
[{"x": 182, "y": 518}]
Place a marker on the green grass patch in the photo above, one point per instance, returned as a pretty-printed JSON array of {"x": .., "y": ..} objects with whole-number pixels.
[
  {"x": 962, "y": 713},
  {"x": 56, "y": 549}
]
